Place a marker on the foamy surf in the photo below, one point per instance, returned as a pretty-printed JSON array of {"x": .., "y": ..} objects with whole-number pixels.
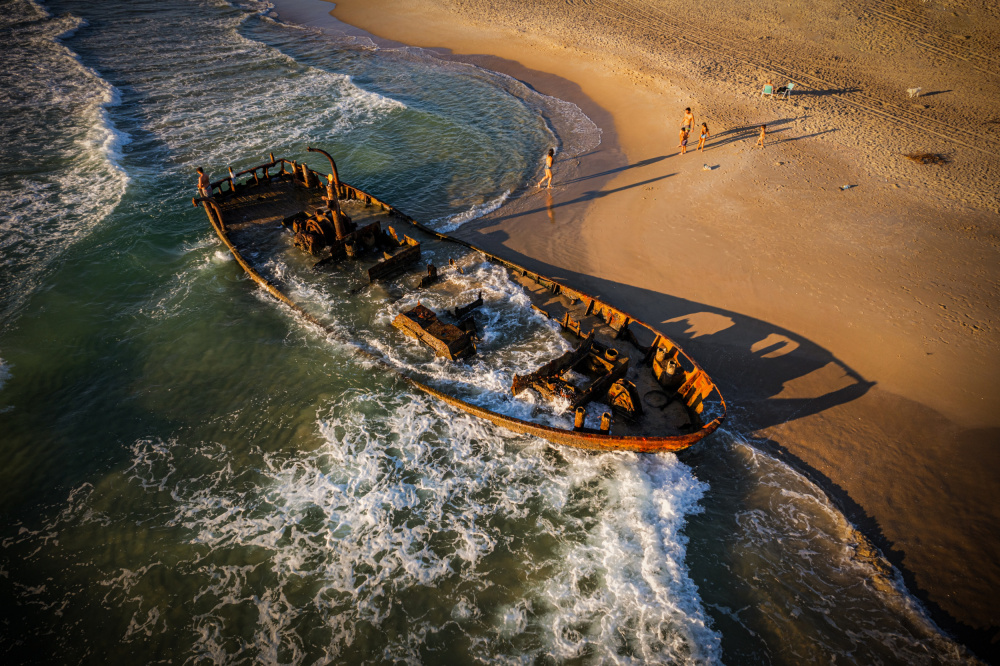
[
  {"x": 290, "y": 89},
  {"x": 419, "y": 500},
  {"x": 52, "y": 196},
  {"x": 795, "y": 574},
  {"x": 453, "y": 222}
]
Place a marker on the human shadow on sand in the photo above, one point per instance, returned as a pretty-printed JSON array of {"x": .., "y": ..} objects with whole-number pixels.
[
  {"x": 745, "y": 133},
  {"x": 609, "y": 172},
  {"x": 804, "y": 136},
  {"x": 589, "y": 195},
  {"x": 828, "y": 91}
]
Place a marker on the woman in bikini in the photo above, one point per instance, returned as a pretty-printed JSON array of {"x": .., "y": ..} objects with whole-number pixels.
[
  {"x": 703, "y": 137},
  {"x": 548, "y": 169}
]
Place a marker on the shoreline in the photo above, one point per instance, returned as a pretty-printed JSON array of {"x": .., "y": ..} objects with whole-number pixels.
[{"x": 822, "y": 322}]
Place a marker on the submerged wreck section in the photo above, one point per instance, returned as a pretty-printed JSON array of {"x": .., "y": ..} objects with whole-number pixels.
[
  {"x": 621, "y": 385},
  {"x": 600, "y": 365},
  {"x": 445, "y": 339}
]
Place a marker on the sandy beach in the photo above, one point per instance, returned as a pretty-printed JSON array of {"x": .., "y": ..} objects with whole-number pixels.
[{"x": 854, "y": 330}]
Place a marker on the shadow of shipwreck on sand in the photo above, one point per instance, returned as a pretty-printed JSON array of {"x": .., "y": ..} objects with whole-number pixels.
[{"x": 769, "y": 376}]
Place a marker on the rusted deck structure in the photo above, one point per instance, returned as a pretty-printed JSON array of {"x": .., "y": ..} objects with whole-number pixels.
[{"x": 649, "y": 395}]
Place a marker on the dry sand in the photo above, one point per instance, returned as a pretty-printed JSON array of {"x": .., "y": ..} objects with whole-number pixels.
[{"x": 854, "y": 331}]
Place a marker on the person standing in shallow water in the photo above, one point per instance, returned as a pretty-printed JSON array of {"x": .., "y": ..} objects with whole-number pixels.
[
  {"x": 204, "y": 184},
  {"x": 548, "y": 169}
]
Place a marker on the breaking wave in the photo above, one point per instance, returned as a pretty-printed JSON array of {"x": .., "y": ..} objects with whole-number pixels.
[
  {"x": 392, "y": 507},
  {"x": 61, "y": 150},
  {"x": 458, "y": 219}
]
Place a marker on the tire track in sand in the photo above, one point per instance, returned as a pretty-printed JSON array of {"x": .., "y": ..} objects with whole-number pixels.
[{"x": 658, "y": 22}]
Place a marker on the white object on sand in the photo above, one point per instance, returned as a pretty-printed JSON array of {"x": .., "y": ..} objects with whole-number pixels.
[{"x": 914, "y": 92}]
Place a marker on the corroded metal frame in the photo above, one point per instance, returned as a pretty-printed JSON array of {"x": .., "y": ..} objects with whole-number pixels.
[{"x": 696, "y": 387}]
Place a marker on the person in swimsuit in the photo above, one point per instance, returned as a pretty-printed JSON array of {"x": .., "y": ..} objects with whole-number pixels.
[
  {"x": 688, "y": 119},
  {"x": 548, "y": 169},
  {"x": 763, "y": 133},
  {"x": 703, "y": 137},
  {"x": 684, "y": 139},
  {"x": 204, "y": 184}
]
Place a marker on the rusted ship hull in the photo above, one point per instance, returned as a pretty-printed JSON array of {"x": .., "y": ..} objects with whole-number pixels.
[{"x": 664, "y": 401}]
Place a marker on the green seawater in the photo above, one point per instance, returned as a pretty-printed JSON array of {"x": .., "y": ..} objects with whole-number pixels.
[{"x": 192, "y": 475}]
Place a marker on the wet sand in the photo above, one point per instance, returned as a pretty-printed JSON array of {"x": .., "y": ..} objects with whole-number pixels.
[{"x": 854, "y": 331}]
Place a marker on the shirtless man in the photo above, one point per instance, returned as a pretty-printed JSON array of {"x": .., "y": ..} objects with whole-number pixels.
[
  {"x": 688, "y": 119},
  {"x": 204, "y": 184}
]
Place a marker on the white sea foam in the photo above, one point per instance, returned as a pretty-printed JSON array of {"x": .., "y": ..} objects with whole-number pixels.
[
  {"x": 453, "y": 222},
  {"x": 576, "y": 132},
  {"x": 59, "y": 138},
  {"x": 282, "y": 106},
  {"x": 841, "y": 599},
  {"x": 419, "y": 500}
]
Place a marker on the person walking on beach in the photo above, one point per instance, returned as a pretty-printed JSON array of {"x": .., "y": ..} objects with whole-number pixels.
[
  {"x": 688, "y": 121},
  {"x": 548, "y": 169},
  {"x": 763, "y": 133},
  {"x": 684, "y": 140},
  {"x": 703, "y": 137},
  {"x": 204, "y": 184}
]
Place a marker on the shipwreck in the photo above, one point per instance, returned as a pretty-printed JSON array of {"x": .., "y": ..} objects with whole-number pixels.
[{"x": 605, "y": 380}]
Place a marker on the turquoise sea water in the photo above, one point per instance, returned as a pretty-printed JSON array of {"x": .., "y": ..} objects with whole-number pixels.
[{"x": 190, "y": 475}]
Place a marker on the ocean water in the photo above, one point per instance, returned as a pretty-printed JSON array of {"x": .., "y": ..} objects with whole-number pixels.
[{"x": 193, "y": 476}]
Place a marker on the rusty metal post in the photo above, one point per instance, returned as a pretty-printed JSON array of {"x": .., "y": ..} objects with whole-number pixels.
[
  {"x": 333, "y": 196},
  {"x": 339, "y": 225},
  {"x": 606, "y": 422},
  {"x": 232, "y": 180},
  {"x": 581, "y": 416},
  {"x": 333, "y": 165}
]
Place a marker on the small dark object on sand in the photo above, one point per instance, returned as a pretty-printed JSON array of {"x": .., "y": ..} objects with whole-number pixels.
[{"x": 927, "y": 158}]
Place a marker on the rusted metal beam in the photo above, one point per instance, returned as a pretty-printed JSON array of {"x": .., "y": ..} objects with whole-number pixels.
[
  {"x": 462, "y": 310},
  {"x": 445, "y": 339},
  {"x": 394, "y": 263},
  {"x": 554, "y": 367}
]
